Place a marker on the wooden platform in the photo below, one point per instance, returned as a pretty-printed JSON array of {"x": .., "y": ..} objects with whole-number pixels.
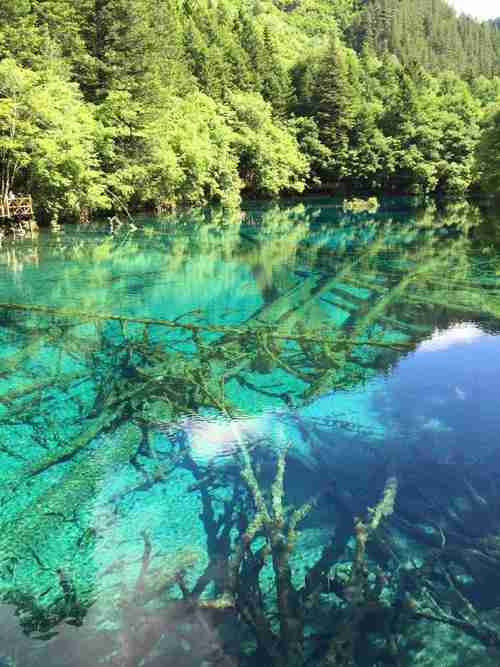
[{"x": 20, "y": 207}]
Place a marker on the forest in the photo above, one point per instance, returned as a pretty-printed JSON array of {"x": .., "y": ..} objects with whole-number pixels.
[{"x": 118, "y": 105}]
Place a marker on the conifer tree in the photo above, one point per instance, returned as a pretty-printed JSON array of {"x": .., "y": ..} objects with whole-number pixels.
[
  {"x": 488, "y": 156},
  {"x": 336, "y": 106},
  {"x": 276, "y": 84}
]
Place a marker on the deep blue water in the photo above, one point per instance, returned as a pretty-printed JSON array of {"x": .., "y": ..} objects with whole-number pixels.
[{"x": 171, "y": 391}]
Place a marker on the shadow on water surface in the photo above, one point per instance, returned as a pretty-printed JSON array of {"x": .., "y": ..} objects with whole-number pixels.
[{"x": 260, "y": 438}]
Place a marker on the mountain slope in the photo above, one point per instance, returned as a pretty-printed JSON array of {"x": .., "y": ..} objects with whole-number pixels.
[{"x": 430, "y": 33}]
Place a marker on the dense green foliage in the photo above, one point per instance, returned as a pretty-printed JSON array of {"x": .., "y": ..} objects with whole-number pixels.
[
  {"x": 112, "y": 104},
  {"x": 489, "y": 156},
  {"x": 429, "y": 33}
]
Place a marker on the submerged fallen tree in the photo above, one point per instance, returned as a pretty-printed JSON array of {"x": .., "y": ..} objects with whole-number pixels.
[{"x": 271, "y": 536}]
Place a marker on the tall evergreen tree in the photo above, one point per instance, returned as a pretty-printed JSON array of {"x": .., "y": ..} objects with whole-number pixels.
[{"x": 336, "y": 105}]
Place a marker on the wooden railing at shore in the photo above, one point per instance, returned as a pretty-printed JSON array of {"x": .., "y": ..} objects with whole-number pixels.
[{"x": 19, "y": 207}]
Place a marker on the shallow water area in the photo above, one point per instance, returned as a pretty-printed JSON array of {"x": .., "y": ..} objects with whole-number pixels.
[{"x": 262, "y": 437}]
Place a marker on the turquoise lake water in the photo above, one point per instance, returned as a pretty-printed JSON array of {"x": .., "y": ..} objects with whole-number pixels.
[{"x": 262, "y": 438}]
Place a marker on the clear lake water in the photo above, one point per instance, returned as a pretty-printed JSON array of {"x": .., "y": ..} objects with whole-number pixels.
[{"x": 268, "y": 437}]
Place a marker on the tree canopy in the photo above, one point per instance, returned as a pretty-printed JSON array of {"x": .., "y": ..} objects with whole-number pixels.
[{"x": 112, "y": 104}]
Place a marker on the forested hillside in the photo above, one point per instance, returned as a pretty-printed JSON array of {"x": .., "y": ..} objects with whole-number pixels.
[
  {"x": 113, "y": 104},
  {"x": 428, "y": 33}
]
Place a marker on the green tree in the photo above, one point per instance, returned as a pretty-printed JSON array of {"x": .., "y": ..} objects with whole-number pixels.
[
  {"x": 336, "y": 103},
  {"x": 276, "y": 85},
  {"x": 488, "y": 156},
  {"x": 270, "y": 160},
  {"x": 189, "y": 154},
  {"x": 357, "y": 94},
  {"x": 47, "y": 141},
  {"x": 459, "y": 125}
]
